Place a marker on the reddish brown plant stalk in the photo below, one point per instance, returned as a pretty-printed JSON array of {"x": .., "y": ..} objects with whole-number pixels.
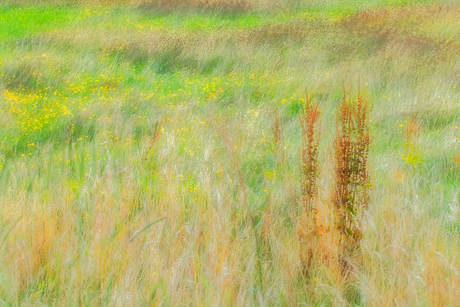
[
  {"x": 308, "y": 153},
  {"x": 278, "y": 154},
  {"x": 351, "y": 144}
]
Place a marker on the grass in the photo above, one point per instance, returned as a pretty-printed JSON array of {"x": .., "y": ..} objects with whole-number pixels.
[{"x": 150, "y": 155}]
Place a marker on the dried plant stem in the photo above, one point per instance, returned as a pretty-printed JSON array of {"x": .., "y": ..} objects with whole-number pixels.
[
  {"x": 308, "y": 153},
  {"x": 308, "y": 163},
  {"x": 351, "y": 145},
  {"x": 278, "y": 154}
]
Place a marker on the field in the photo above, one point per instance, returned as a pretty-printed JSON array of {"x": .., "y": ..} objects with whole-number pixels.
[{"x": 149, "y": 152}]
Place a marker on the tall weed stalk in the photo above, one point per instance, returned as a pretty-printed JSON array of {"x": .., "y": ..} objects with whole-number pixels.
[
  {"x": 308, "y": 118},
  {"x": 351, "y": 181},
  {"x": 308, "y": 163}
]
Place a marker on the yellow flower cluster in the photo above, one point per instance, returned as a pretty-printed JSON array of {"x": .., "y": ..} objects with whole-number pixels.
[{"x": 34, "y": 111}]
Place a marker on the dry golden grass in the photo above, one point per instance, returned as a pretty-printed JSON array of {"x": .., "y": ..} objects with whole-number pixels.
[{"x": 183, "y": 186}]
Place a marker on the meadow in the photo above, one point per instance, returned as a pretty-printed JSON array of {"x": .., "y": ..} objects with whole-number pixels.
[{"x": 150, "y": 152}]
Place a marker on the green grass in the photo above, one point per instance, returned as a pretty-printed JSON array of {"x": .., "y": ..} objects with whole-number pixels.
[{"x": 84, "y": 89}]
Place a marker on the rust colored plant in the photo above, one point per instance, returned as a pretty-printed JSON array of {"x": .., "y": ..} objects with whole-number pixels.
[
  {"x": 275, "y": 146},
  {"x": 308, "y": 118},
  {"x": 351, "y": 144},
  {"x": 308, "y": 163}
]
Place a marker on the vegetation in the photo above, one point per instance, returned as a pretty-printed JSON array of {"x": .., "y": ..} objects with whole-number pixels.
[
  {"x": 351, "y": 180},
  {"x": 149, "y": 153}
]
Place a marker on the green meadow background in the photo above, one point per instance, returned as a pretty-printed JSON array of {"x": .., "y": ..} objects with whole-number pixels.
[{"x": 136, "y": 151}]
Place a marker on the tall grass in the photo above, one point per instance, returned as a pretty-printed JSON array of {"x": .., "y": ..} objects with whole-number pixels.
[{"x": 150, "y": 157}]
